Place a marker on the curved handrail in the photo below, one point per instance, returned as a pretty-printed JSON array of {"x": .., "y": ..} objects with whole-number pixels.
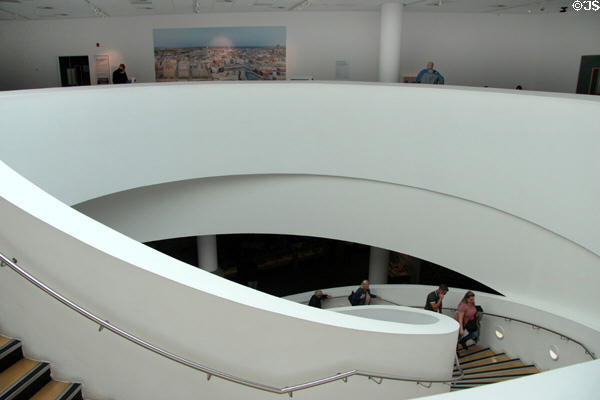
[
  {"x": 4, "y": 261},
  {"x": 536, "y": 326}
]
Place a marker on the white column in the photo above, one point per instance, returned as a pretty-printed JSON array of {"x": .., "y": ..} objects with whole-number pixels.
[
  {"x": 207, "y": 253},
  {"x": 389, "y": 42},
  {"x": 389, "y": 71},
  {"x": 379, "y": 260}
]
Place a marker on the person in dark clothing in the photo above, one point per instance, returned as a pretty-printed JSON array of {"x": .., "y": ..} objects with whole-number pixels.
[
  {"x": 363, "y": 295},
  {"x": 315, "y": 300},
  {"x": 434, "y": 299},
  {"x": 120, "y": 76}
]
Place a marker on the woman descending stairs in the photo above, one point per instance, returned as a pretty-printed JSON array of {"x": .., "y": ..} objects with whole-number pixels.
[
  {"x": 22, "y": 379},
  {"x": 482, "y": 366}
]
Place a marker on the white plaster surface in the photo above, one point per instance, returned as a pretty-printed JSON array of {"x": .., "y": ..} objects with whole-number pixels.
[{"x": 458, "y": 173}]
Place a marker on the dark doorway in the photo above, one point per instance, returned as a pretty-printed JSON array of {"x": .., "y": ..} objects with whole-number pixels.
[
  {"x": 589, "y": 75},
  {"x": 74, "y": 70}
]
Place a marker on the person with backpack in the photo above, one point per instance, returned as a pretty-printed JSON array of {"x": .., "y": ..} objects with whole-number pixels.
[
  {"x": 466, "y": 316},
  {"x": 363, "y": 295}
]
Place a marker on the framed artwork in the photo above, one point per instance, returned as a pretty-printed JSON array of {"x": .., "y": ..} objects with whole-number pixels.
[{"x": 229, "y": 53}]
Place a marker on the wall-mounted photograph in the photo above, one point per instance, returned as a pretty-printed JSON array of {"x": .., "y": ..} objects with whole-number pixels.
[{"x": 229, "y": 53}]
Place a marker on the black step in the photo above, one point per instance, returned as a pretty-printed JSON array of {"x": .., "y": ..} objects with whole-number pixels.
[
  {"x": 10, "y": 353},
  {"x": 28, "y": 384}
]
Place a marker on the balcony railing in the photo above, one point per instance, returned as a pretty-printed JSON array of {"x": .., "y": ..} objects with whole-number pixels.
[{"x": 210, "y": 372}]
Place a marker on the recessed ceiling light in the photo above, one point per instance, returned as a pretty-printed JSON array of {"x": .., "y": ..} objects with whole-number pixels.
[{"x": 553, "y": 351}]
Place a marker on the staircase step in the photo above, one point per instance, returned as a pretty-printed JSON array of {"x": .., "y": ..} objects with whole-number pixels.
[
  {"x": 495, "y": 359},
  {"x": 23, "y": 379},
  {"x": 479, "y": 355},
  {"x": 472, "y": 349},
  {"x": 491, "y": 366},
  {"x": 55, "y": 390},
  {"x": 487, "y": 380},
  {"x": 11, "y": 351},
  {"x": 503, "y": 372}
]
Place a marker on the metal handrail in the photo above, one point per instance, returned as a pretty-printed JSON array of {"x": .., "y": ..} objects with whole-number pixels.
[
  {"x": 4, "y": 261},
  {"x": 535, "y": 326}
]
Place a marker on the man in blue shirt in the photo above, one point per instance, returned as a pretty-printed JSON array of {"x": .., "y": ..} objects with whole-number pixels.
[{"x": 430, "y": 75}]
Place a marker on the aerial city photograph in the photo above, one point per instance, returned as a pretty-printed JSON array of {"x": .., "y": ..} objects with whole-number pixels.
[{"x": 235, "y": 53}]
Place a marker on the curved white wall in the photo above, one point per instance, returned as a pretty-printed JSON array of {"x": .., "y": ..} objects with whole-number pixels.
[
  {"x": 190, "y": 312},
  {"x": 481, "y": 242},
  {"x": 503, "y": 149},
  {"x": 483, "y": 182}
]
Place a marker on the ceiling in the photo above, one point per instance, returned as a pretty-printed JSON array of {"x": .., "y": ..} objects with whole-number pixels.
[{"x": 57, "y": 9}]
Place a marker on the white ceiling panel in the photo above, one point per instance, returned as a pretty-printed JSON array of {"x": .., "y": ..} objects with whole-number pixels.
[{"x": 55, "y": 9}]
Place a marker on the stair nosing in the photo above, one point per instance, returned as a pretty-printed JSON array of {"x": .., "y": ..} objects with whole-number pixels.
[
  {"x": 74, "y": 388},
  {"x": 5, "y": 350},
  {"x": 488, "y": 364},
  {"x": 501, "y": 370},
  {"x": 482, "y": 358},
  {"x": 474, "y": 380}
]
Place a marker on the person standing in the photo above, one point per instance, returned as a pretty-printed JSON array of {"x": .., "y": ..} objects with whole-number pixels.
[
  {"x": 466, "y": 316},
  {"x": 315, "y": 300},
  {"x": 430, "y": 75},
  {"x": 363, "y": 295},
  {"x": 434, "y": 299},
  {"x": 119, "y": 75}
]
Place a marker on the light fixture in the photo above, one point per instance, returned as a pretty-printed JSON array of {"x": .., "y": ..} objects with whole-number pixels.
[
  {"x": 301, "y": 6},
  {"x": 499, "y": 333},
  {"x": 553, "y": 351},
  {"x": 97, "y": 11}
]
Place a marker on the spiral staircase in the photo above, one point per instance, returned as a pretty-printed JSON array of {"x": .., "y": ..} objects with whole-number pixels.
[{"x": 482, "y": 366}]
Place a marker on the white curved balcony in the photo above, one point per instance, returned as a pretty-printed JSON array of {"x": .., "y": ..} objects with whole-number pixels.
[{"x": 480, "y": 181}]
